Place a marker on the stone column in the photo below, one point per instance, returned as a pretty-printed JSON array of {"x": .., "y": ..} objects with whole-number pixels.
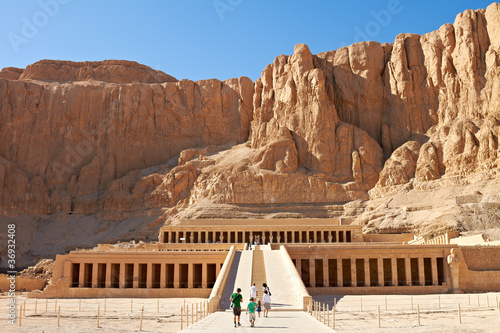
[
  {"x": 190, "y": 274},
  {"x": 293, "y": 236},
  {"x": 163, "y": 275},
  {"x": 170, "y": 237},
  {"x": 81, "y": 277},
  {"x": 367, "y": 272},
  {"x": 177, "y": 273},
  {"x": 330, "y": 237},
  {"x": 136, "y": 275},
  {"x": 315, "y": 236},
  {"x": 300, "y": 237},
  {"x": 354, "y": 277},
  {"x": 121, "y": 279},
  {"x": 108, "y": 275},
  {"x": 251, "y": 237},
  {"x": 421, "y": 272},
  {"x": 326, "y": 277},
  {"x": 263, "y": 238},
  {"x": 95, "y": 267},
  {"x": 149, "y": 276},
  {"x": 340, "y": 277},
  {"x": 286, "y": 236},
  {"x": 204, "y": 273},
  {"x": 394, "y": 268},
  {"x": 312, "y": 271},
  {"x": 435, "y": 281},
  {"x": 199, "y": 236},
  {"x": 408, "y": 271},
  {"x": 298, "y": 266},
  {"x": 380, "y": 268}
]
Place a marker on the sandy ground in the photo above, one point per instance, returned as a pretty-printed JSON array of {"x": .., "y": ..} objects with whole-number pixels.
[{"x": 438, "y": 313}]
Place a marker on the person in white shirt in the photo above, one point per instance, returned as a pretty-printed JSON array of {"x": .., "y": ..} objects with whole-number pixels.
[
  {"x": 253, "y": 291},
  {"x": 267, "y": 302}
]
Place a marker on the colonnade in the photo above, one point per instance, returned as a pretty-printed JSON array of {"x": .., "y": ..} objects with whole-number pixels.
[
  {"x": 144, "y": 275},
  {"x": 320, "y": 235},
  {"x": 371, "y": 271}
]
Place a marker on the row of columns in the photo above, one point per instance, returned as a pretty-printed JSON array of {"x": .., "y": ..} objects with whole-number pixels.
[
  {"x": 325, "y": 236},
  {"x": 84, "y": 268},
  {"x": 367, "y": 276}
]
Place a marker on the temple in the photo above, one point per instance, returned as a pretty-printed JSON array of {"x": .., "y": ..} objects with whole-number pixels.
[{"x": 208, "y": 257}]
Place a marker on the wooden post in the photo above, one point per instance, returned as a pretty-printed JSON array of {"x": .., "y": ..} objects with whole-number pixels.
[
  {"x": 439, "y": 301},
  {"x": 418, "y": 314},
  {"x": 378, "y": 310},
  {"x": 487, "y": 300},
  {"x": 328, "y": 315},
  {"x": 104, "y": 304},
  {"x": 36, "y": 304},
  {"x": 477, "y": 300},
  {"x": 192, "y": 313},
  {"x": 80, "y": 305},
  {"x": 361, "y": 303},
  {"x": 98, "y": 315},
  {"x": 182, "y": 318},
  {"x": 59, "y": 317},
  {"x": 333, "y": 325},
  {"x": 46, "y": 305},
  {"x": 142, "y": 314},
  {"x": 24, "y": 308},
  {"x": 324, "y": 314},
  {"x": 187, "y": 316},
  {"x": 196, "y": 311},
  {"x": 20, "y": 315},
  {"x": 385, "y": 303},
  {"x": 459, "y": 314}
]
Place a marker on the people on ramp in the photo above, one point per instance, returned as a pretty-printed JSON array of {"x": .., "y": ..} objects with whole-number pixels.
[
  {"x": 251, "y": 306},
  {"x": 267, "y": 303},
  {"x": 236, "y": 299}
]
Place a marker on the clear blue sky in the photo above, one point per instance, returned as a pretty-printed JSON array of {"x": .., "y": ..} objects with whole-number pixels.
[{"x": 206, "y": 39}]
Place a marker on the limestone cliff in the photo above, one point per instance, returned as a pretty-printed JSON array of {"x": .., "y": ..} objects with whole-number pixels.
[{"x": 116, "y": 141}]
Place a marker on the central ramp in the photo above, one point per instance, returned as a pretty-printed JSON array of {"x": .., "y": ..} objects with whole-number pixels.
[{"x": 278, "y": 321}]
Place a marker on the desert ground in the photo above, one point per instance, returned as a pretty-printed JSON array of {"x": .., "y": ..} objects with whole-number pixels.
[{"x": 438, "y": 313}]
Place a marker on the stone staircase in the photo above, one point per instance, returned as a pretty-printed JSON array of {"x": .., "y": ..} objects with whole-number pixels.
[{"x": 259, "y": 270}]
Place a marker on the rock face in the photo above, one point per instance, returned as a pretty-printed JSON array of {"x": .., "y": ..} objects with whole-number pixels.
[{"x": 115, "y": 138}]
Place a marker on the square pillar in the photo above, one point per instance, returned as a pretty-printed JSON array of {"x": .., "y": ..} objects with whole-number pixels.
[
  {"x": 326, "y": 277},
  {"x": 315, "y": 236},
  {"x": 81, "y": 277},
  {"x": 108, "y": 275},
  {"x": 136, "y": 275},
  {"x": 312, "y": 271},
  {"x": 394, "y": 269},
  {"x": 340, "y": 277},
  {"x": 434, "y": 271},
  {"x": 190, "y": 275},
  {"x": 286, "y": 237},
  {"x": 94, "y": 275},
  {"x": 163, "y": 275},
  {"x": 204, "y": 273},
  {"x": 149, "y": 277},
  {"x": 293, "y": 236},
  {"x": 298, "y": 266},
  {"x": 121, "y": 279},
  {"x": 408, "y": 271},
  {"x": 380, "y": 268},
  {"x": 354, "y": 277},
  {"x": 367, "y": 272},
  {"x": 421, "y": 272},
  {"x": 300, "y": 237},
  {"x": 176, "y": 275},
  {"x": 169, "y": 237}
]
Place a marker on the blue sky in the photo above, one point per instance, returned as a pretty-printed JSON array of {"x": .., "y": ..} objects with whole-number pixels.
[{"x": 206, "y": 38}]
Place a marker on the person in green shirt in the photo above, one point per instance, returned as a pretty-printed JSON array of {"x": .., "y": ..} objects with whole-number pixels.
[
  {"x": 236, "y": 300},
  {"x": 251, "y": 311}
]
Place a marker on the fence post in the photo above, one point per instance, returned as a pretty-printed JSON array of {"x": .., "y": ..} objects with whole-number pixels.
[
  {"x": 142, "y": 314},
  {"x": 104, "y": 304},
  {"x": 459, "y": 314},
  {"x": 378, "y": 310},
  {"x": 36, "y": 304},
  {"x": 418, "y": 314},
  {"x": 333, "y": 317},
  {"x": 324, "y": 314},
  {"x": 182, "y": 318},
  {"x": 59, "y": 317},
  {"x": 477, "y": 300},
  {"x": 80, "y": 305},
  {"x": 196, "y": 311},
  {"x": 20, "y": 315},
  {"x": 361, "y": 303},
  {"x": 98, "y": 315},
  {"x": 187, "y": 316},
  {"x": 24, "y": 308},
  {"x": 328, "y": 315}
]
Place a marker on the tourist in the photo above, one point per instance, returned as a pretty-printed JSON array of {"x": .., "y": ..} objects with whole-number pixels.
[
  {"x": 236, "y": 300},
  {"x": 265, "y": 287},
  {"x": 254, "y": 291},
  {"x": 251, "y": 311},
  {"x": 267, "y": 303},
  {"x": 259, "y": 307}
]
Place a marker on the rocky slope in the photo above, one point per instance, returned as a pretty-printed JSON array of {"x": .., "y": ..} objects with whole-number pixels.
[{"x": 120, "y": 148}]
